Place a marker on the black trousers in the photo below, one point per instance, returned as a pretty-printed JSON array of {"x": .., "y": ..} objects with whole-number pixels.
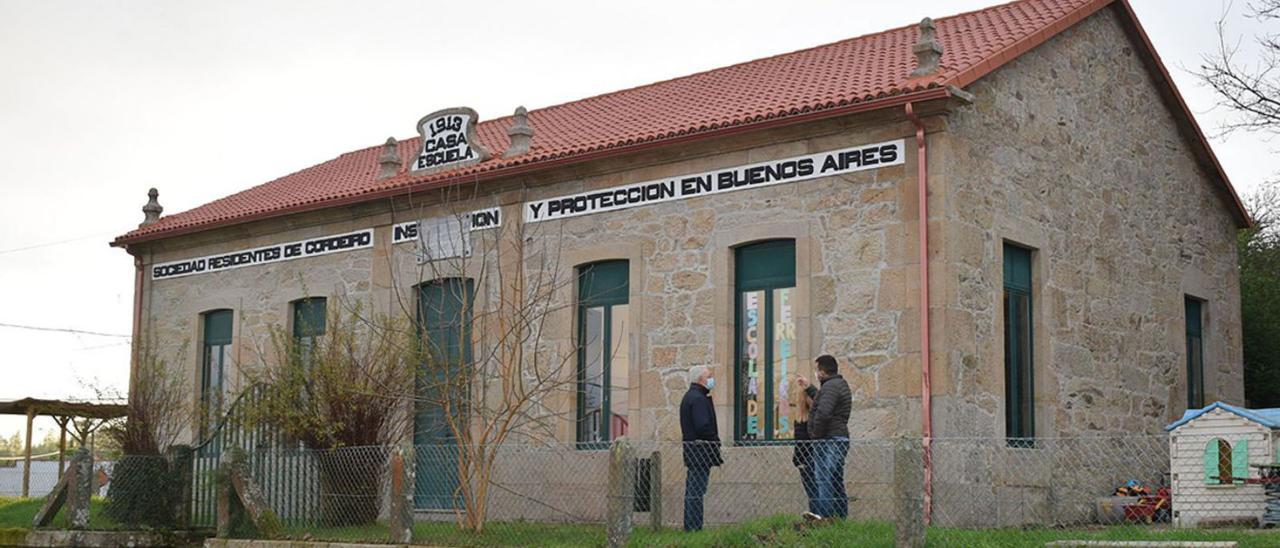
[{"x": 695, "y": 487}]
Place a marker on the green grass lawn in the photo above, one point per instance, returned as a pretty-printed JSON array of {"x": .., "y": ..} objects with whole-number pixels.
[
  {"x": 17, "y": 513},
  {"x": 16, "y": 516},
  {"x": 778, "y": 531}
]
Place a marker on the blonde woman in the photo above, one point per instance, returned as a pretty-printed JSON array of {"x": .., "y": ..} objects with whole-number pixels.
[{"x": 802, "y": 456}]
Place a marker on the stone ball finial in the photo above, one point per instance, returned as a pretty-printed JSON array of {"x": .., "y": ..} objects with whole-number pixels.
[
  {"x": 151, "y": 212},
  {"x": 389, "y": 163},
  {"x": 520, "y": 132},
  {"x": 928, "y": 49}
]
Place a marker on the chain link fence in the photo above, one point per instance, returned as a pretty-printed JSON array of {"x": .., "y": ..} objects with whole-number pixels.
[
  {"x": 867, "y": 491},
  {"x": 44, "y": 476}
]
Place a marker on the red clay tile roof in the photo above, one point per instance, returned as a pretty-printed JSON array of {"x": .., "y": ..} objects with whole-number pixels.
[{"x": 860, "y": 73}]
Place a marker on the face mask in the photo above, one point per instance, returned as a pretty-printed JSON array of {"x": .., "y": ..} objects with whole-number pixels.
[{"x": 711, "y": 383}]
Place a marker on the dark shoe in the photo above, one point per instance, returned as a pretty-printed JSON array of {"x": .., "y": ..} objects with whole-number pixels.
[{"x": 810, "y": 516}]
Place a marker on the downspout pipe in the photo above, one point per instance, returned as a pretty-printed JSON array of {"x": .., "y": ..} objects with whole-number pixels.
[
  {"x": 926, "y": 392},
  {"x": 136, "y": 339}
]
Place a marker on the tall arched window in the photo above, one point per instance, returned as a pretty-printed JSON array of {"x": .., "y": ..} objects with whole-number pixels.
[
  {"x": 216, "y": 343},
  {"x": 765, "y": 339},
  {"x": 603, "y": 361}
]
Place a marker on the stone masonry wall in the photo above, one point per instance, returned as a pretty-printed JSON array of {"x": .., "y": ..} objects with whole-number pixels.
[
  {"x": 1070, "y": 150},
  {"x": 852, "y": 295}
]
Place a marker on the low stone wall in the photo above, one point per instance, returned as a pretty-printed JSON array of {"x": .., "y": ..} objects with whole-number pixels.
[{"x": 107, "y": 539}]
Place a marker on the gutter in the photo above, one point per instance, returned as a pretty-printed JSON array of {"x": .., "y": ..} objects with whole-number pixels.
[
  {"x": 814, "y": 115},
  {"x": 926, "y": 391}
]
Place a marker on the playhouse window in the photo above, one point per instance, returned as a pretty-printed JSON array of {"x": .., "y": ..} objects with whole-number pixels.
[{"x": 1224, "y": 464}]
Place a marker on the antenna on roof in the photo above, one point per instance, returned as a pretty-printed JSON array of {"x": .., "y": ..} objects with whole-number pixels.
[
  {"x": 521, "y": 134},
  {"x": 928, "y": 50},
  {"x": 389, "y": 163},
  {"x": 152, "y": 210}
]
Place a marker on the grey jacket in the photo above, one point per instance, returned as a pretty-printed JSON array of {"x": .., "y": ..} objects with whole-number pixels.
[{"x": 830, "y": 415}]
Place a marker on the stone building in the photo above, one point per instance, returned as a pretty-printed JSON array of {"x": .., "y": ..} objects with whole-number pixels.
[{"x": 1078, "y": 264}]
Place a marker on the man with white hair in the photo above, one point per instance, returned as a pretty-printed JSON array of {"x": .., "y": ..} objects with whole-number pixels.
[{"x": 701, "y": 442}]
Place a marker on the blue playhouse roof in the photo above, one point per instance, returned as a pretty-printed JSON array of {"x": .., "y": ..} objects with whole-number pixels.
[{"x": 1269, "y": 418}]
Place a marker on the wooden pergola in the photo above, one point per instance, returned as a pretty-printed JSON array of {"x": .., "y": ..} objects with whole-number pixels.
[{"x": 63, "y": 412}]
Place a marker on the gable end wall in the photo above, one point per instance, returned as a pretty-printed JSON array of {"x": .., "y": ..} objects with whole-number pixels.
[{"x": 1070, "y": 150}]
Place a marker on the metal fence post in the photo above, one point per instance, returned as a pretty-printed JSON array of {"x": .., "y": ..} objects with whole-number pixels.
[
  {"x": 621, "y": 492},
  {"x": 655, "y": 490},
  {"x": 401, "y": 518},
  {"x": 181, "y": 458},
  {"x": 908, "y": 490}
]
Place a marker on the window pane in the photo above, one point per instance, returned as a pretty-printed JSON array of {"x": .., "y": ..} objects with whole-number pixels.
[
  {"x": 784, "y": 362},
  {"x": 619, "y": 373},
  {"x": 751, "y": 334},
  {"x": 1019, "y": 379},
  {"x": 766, "y": 264},
  {"x": 309, "y": 317},
  {"x": 593, "y": 374},
  {"x": 1019, "y": 366},
  {"x": 1195, "y": 352},
  {"x": 1022, "y": 316},
  {"x": 603, "y": 283},
  {"x": 1195, "y": 366},
  {"x": 215, "y": 358},
  {"x": 217, "y": 327}
]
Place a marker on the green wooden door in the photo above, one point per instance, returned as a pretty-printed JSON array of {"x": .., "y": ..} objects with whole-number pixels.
[{"x": 445, "y": 318}]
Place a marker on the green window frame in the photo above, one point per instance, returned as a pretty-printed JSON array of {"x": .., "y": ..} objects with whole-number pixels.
[
  {"x": 216, "y": 352},
  {"x": 764, "y": 341},
  {"x": 603, "y": 359},
  {"x": 1019, "y": 361},
  {"x": 309, "y": 319},
  {"x": 1195, "y": 351}
]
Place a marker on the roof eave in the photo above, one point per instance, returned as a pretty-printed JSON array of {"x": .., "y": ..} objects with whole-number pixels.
[{"x": 939, "y": 92}]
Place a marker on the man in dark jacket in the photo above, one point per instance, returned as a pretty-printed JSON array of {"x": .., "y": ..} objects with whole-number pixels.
[
  {"x": 829, "y": 430},
  {"x": 701, "y": 442}
]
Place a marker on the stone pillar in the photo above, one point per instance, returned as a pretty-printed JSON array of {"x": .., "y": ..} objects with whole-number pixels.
[
  {"x": 79, "y": 489},
  {"x": 908, "y": 491},
  {"x": 182, "y": 459},
  {"x": 622, "y": 476},
  {"x": 401, "y": 518},
  {"x": 655, "y": 490},
  {"x": 222, "y": 485}
]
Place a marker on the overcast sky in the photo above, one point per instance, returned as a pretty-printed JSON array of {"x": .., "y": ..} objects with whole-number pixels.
[{"x": 101, "y": 100}]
